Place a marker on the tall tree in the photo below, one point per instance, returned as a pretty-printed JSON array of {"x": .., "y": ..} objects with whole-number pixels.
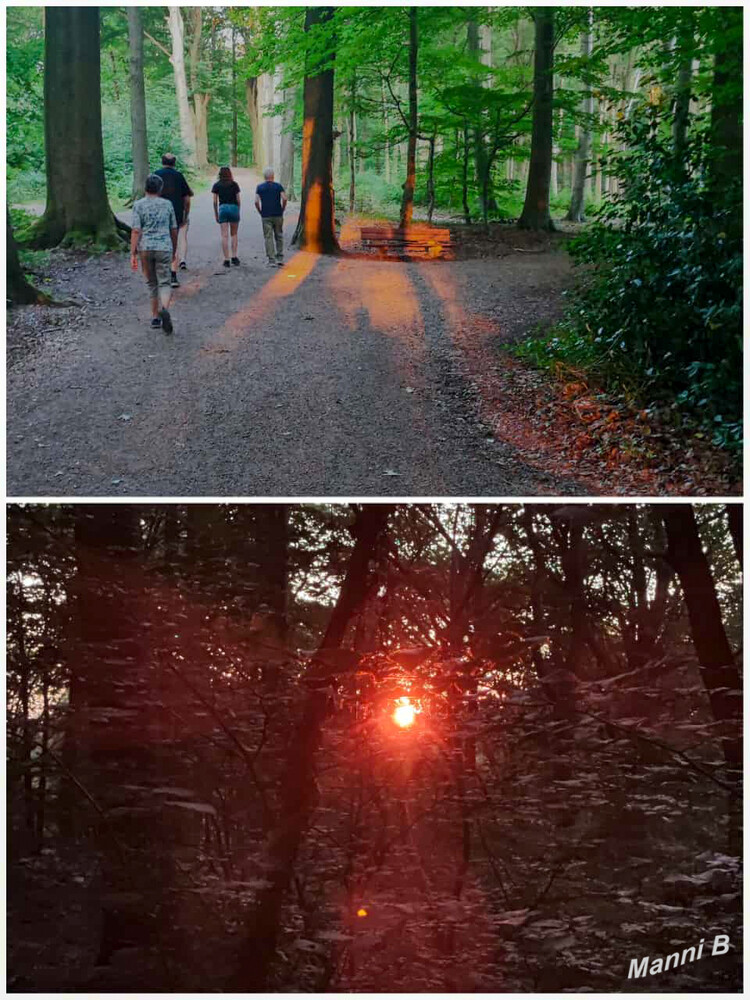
[
  {"x": 77, "y": 204},
  {"x": 576, "y": 212},
  {"x": 19, "y": 291},
  {"x": 479, "y": 41},
  {"x": 286, "y": 148},
  {"x": 111, "y": 691},
  {"x": 407, "y": 200},
  {"x": 139, "y": 143},
  {"x": 684, "y": 46},
  {"x": 299, "y": 789},
  {"x": 734, "y": 518},
  {"x": 726, "y": 99},
  {"x": 233, "y": 147},
  {"x": 187, "y": 123},
  {"x": 718, "y": 668},
  {"x": 536, "y": 213},
  {"x": 352, "y": 142},
  {"x": 200, "y": 93},
  {"x": 316, "y": 225}
]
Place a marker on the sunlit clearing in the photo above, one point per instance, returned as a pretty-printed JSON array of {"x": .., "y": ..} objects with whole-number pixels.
[
  {"x": 361, "y": 912},
  {"x": 405, "y": 713}
]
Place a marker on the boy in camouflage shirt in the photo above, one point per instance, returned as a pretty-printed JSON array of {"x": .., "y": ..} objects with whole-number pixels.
[{"x": 154, "y": 234}]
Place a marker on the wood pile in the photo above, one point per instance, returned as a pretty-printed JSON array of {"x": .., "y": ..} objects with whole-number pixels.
[{"x": 413, "y": 243}]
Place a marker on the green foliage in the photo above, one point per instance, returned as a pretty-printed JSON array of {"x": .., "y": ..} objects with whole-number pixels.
[
  {"x": 163, "y": 133},
  {"x": 657, "y": 311}
]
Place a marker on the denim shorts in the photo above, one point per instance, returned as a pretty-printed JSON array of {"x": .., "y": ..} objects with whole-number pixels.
[{"x": 229, "y": 213}]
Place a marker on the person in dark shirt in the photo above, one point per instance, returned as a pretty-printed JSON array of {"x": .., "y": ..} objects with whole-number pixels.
[
  {"x": 270, "y": 201},
  {"x": 226, "y": 192},
  {"x": 177, "y": 190}
]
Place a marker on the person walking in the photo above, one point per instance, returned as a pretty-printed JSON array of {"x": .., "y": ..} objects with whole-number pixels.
[
  {"x": 226, "y": 192},
  {"x": 177, "y": 190},
  {"x": 154, "y": 234},
  {"x": 270, "y": 201}
]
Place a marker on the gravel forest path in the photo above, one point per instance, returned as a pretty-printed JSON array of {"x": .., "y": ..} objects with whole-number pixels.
[{"x": 328, "y": 377}]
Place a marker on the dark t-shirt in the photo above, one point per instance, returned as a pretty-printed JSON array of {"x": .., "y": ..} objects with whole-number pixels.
[
  {"x": 174, "y": 190},
  {"x": 227, "y": 192},
  {"x": 270, "y": 199}
]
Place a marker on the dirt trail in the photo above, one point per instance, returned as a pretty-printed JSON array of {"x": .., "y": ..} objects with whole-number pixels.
[{"x": 328, "y": 377}]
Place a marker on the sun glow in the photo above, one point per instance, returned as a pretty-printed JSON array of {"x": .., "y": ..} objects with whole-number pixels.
[{"x": 405, "y": 713}]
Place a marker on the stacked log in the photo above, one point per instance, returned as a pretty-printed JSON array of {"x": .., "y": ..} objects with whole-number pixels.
[{"x": 412, "y": 243}]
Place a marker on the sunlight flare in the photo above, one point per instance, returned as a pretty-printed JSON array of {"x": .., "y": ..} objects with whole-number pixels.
[{"x": 405, "y": 713}]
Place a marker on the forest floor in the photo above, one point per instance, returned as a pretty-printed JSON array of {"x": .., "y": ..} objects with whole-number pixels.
[{"x": 330, "y": 376}]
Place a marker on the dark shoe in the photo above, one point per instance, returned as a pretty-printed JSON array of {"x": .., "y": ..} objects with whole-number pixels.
[
  {"x": 166, "y": 320},
  {"x": 183, "y": 265},
  {"x": 227, "y": 264},
  {"x": 279, "y": 263},
  {"x": 236, "y": 261},
  {"x": 174, "y": 282},
  {"x": 156, "y": 323}
]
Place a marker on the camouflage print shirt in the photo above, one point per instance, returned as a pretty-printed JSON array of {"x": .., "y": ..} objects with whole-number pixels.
[{"x": 154, "y": 217}]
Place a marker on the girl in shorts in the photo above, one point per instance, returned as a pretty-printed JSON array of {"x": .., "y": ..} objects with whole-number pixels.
[{"x": 226, "y": 192}]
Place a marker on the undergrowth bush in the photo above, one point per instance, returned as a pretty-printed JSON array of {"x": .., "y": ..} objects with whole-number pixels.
[{"x": 656, "y": 313}]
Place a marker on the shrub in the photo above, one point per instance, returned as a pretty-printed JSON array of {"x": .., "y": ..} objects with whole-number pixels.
[{"x": 657, "y": 309}]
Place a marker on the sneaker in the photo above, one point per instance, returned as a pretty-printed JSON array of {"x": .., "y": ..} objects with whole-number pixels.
[
  {"x": 271, "y": 263},
  {"x": 279, "y": 263},
  {"x": 166, "y": 320},
  {"x": 174, "y": 282},
  {"x": 227, "y": 264},
  {"x": 236, "y": 261},
  {"x": 156, "y": 323},
  {"x": 183, "y": 265}
]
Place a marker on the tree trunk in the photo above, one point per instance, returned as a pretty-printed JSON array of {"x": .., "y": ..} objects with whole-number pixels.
[
  {"x": 576, "y": 212},
  {"x": 387, "y": 144},
  {"x": 77, "y": 206},
  {"x": 681, "y": 107},
  {"x": 465, "y": 179},
  {"x": 718, "y": 669},
  {"x": 19, "y": 291},
  {"x": 475, "y": 44},
  {"x": 270, "y": 124},
  {"x": 431, "y": 179},
  {"x": 251, "y": 106},
  {"x": 233, "y": 150},
  {"x": 726, "y": 102},
  {"x": 734, "y": 518},
  {"x": 277, "y": 122},
  {"x": 536, "y": 214},
  {"x": 200, "y": 114},
  {"x": 187, "y": 125},
  {"x": 115, "y": 719},
  {"x": 286, "y": 151},
  {"x": 139, "y": 143},
  {"x": 554, "y": 185},
  {"x": 352, "y": 145},
  {"x": 407, "y": 201},
  {"x": 201, "y": 97},
  {"x": 316, "y": 226},
  {"x": 299, "y": 789},
  {"x": 260, "y": 94}
]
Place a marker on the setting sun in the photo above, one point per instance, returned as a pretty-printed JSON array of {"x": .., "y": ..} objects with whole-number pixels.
[{"x": 405, "y": 713}]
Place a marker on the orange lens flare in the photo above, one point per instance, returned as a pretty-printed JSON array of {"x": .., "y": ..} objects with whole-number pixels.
[
  {"x": 361, "y": 912},
  {"x": 404, "y": 714}
]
